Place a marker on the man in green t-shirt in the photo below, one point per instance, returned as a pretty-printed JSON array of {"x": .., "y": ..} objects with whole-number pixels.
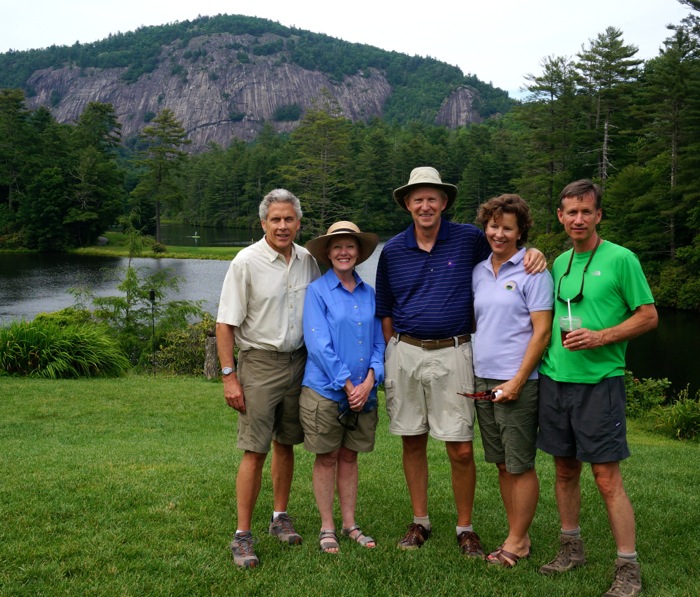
[{"x": 582, "y": 392}]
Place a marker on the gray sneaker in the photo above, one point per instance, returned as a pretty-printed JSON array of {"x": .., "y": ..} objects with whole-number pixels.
[
  {"x": 570, "y": 556},
  {"x": 628, "y": 579},
  {"x": 242, "y": 550},
  {"x": 282, "y": 528}
]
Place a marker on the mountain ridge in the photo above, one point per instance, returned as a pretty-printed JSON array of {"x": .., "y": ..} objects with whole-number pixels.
[{"x": 224, "y": 77}]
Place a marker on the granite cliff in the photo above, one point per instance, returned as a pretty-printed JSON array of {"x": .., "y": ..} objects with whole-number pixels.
[{"x": 221, "y": 87}]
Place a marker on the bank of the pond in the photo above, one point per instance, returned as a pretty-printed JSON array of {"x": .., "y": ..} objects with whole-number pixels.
[
  {"x": 31, "y": 283},
  {"x": 118, "y": 246}
]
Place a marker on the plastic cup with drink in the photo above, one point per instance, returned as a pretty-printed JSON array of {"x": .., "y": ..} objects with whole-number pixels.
[{"x": 568, "y": 323}]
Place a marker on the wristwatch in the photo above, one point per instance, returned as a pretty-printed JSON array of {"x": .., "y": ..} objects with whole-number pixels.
[{"x": 227, "y": 371}]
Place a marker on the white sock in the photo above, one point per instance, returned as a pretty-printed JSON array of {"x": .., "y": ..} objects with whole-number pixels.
[
  {"x": 469, "y": 529},
  {"x": 424, "y": 520},
  {"x": 276, "y": 514}
]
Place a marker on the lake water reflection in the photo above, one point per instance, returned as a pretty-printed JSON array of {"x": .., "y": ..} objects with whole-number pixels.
[{"x": 31, "y": 284}]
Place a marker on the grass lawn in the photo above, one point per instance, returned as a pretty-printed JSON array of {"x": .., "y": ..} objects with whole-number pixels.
[
  {"x": 119, "y": 247},
  {"x": 126, "y": 487}
]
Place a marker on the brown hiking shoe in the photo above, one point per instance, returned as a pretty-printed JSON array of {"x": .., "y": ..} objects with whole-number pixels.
[
  {"x": 470, "y": 544},
  {"x": 282, "y": 528},
  {"x": 242, "y": 550},
  {"x": 414, "y": 538},
  {"x": 628, "y": 579},
  {"x": 570, "y": 556}
]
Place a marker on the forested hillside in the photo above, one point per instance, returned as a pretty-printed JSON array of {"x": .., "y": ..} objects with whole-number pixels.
[
  {"x": 224, "y": 77},
  {"x": 631, "y": 125}
]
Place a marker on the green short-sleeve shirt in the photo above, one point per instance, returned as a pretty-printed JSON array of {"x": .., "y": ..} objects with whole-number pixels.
[{"x": 614, "y": 287}]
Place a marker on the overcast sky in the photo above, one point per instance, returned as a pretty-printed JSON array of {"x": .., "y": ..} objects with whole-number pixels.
[{"x": 499, "y": 41}]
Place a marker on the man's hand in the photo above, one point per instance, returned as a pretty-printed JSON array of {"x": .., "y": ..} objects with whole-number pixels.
[
  {"x": 233, "y": 393},
  {"x": 643, "y": 319},
  {"x": 534, "y": 261},
  {"x": 583, "y": 339}
]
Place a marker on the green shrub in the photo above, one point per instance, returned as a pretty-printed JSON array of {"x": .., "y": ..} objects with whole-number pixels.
[
  {"x": 65, "y": 317},
  {"x": 52, "y": 350},
  {"x": 183, "y": 350},
  {"x": 137, "y": 323},
  {"x": 159, "y": 248},
  {"x": 643, "y": 395},
  {"x": 288, "y": 113},
  {"x": 682, "y": 419}
]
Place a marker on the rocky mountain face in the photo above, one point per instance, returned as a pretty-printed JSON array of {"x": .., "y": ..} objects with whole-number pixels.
[{"x": 220, "y": 90}]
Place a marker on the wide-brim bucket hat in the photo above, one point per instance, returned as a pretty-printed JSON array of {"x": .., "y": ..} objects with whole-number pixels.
[
  {"x": 425, "y": 176},
  {"x": 367, "y": 242}
]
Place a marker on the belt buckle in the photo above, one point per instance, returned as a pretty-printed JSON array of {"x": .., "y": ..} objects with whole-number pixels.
[{"x": 429, "y": 344}]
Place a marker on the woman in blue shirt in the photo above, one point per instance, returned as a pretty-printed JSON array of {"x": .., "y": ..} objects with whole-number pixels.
[{"x": 338, "y": 402}]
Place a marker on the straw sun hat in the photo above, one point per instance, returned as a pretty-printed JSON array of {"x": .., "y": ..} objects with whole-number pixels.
[
  {"x": 367, "y": 242},
  {"x": 425, "y": 176}
]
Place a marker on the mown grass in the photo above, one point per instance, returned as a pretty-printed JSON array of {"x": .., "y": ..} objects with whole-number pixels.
[
  {"x": 118, "y": 246},
  {"x": 126, "y": 487}
]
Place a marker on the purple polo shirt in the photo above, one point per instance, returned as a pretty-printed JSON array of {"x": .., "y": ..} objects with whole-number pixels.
[
  {"x": 502, "y": 306},
  {"x": 429, "y": 294}
]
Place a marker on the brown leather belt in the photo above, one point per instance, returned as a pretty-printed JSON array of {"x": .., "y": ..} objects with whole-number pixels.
[{"x": 433, "y": 344}]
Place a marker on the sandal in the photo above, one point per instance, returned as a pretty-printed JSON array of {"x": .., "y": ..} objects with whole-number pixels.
[
  {"x": 328, "y": 540},
  {"x": 360, "y": 537},
  {"x": 504, "y": 558}
]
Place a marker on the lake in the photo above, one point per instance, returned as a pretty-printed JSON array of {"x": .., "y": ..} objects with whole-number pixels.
[{"x": 31, "y": 284}]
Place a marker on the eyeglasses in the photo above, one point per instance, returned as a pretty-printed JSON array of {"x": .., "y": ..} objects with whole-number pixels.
[
  {"x": 579, "y": 297},
  {"x": 346, "y": 421},
  {"x": 487, "y": 395}
]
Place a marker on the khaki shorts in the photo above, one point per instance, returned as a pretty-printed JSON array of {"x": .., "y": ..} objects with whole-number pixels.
[
  {"x": 421, "y": 391},
  {"x": 271, "y": 385},
  {"x": 322, "y": 431},
  {"x": 509, "y": 430}
]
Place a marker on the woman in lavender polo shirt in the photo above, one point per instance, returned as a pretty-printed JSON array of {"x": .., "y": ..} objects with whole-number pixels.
[{"x": 513, "y": 313}]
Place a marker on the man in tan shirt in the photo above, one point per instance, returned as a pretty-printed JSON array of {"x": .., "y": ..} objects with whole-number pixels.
[{"x": 260, "y": 311}]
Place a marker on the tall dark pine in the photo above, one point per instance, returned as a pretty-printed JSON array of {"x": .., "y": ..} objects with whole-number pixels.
[
  {"x": 607, "y": 69},
  {"x": 161, "y": 161},
  {"x": 551, "y": 119}
]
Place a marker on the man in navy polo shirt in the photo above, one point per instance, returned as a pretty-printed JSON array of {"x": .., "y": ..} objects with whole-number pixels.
[{"x": 424, "y": 298}]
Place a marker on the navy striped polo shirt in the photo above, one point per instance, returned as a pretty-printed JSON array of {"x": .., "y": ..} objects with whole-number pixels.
[{"x": 429, "y": 295}]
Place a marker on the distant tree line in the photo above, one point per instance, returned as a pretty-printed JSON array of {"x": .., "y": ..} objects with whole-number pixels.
[{"x": 633, "y": 127}]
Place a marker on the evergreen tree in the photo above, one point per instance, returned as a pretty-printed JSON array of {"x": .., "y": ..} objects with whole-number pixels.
[
  {"x": 486, "y": 174},
  {"x": 607, "y": 68},
  {"x": 17, "y": 140},
  {"x": 551, "y": 133},
  {"x": 45, "y": 203},
  {"x": 161, "y": 161},
  {"x": 372, "y": 175},
  {"x": 98, "y": 195},
  {"x": 318, "y": 174}
]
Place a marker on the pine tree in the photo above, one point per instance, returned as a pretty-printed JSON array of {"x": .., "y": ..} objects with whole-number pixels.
[
  {"x": 550, "y": 120},
  {"x": 161, "y": 161},
  {"x": 607, "y": 68},
  {"x": 318, "y": 174}
]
